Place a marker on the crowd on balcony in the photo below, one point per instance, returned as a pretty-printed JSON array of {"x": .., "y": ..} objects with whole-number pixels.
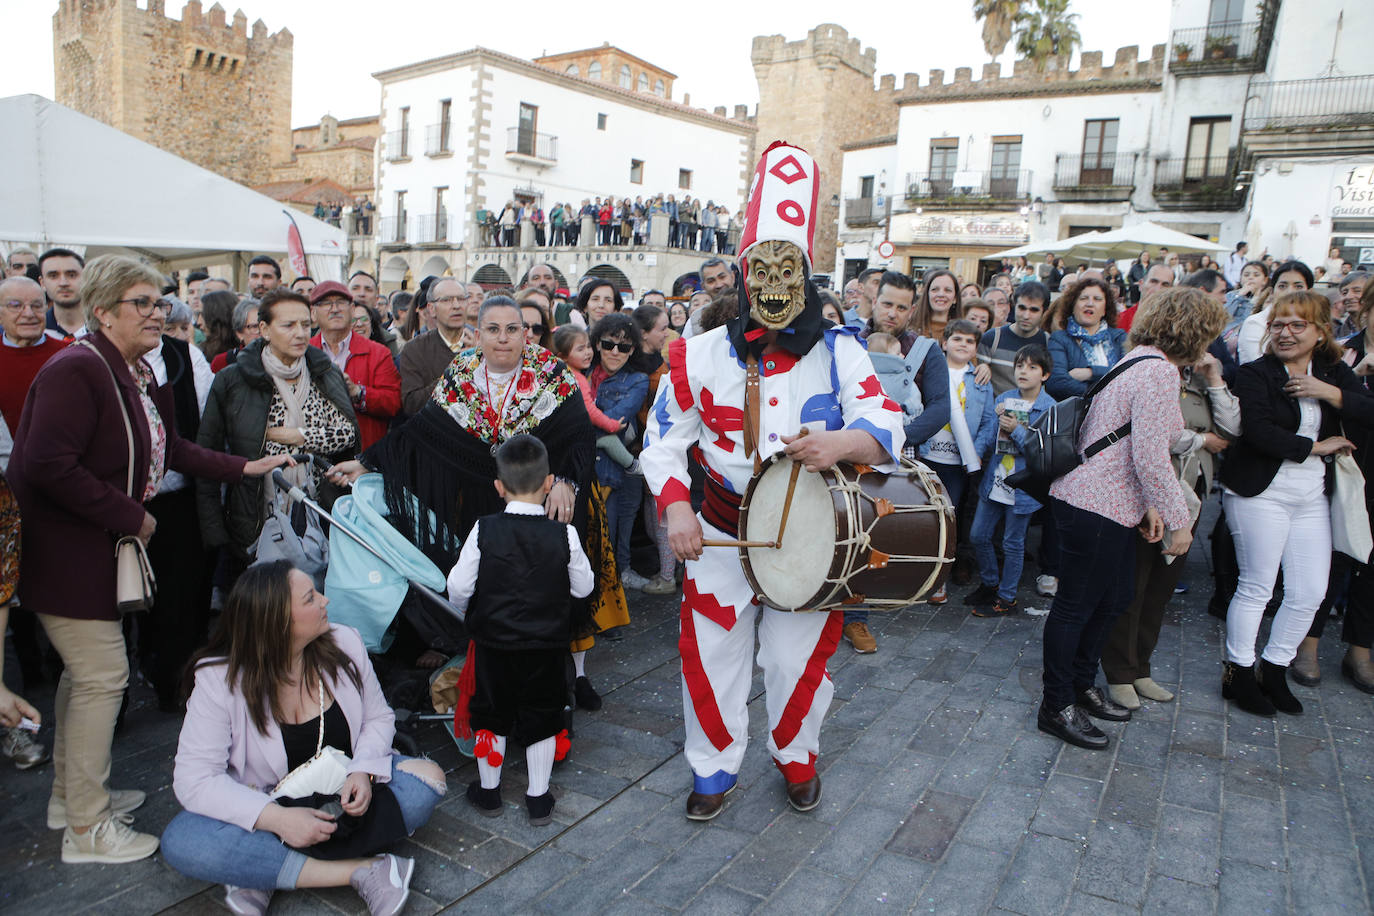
[{"x": 692, "y": 224}]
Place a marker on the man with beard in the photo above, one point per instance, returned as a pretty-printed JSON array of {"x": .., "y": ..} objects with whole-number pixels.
[{"x": 779, "y": 348}]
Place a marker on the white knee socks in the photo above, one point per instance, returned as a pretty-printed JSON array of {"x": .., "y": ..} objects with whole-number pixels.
[
  {"x": 539, "y": 761},
  {"x": 489, "y": 774},
  {"x": 580, "y": 662}
]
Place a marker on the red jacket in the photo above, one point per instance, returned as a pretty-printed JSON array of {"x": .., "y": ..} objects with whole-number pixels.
[{"x": 371, "y": 367}]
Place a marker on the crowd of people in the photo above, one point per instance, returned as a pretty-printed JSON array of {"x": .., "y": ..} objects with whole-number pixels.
[
  {"x": 692, "y": 223},
  {"x": 520, "y": 429}
]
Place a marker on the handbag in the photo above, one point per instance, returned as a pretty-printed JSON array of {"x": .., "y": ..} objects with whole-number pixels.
[
  {"x": 323, "y": 774},
  {"x": 135, "y": 585},
  {"x": 1350, "y": 533}
]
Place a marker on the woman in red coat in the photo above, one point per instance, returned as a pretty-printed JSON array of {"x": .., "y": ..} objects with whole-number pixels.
[{"x": 70, "y": 471}]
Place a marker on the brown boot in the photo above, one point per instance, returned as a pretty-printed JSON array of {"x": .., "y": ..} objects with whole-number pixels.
[
  {"x": 1358, "y": 669},
  {"x": 1305, "y": 669}
]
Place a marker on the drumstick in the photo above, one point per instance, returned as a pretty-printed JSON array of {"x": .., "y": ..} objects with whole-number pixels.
[
  {"x": 791, "y": 488},
  {"x": 708, "y": 542}
]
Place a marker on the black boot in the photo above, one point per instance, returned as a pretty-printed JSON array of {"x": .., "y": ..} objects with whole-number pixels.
[
  {"x": 1238, "y": 684},
  {"x": 1273, "y": 681}
]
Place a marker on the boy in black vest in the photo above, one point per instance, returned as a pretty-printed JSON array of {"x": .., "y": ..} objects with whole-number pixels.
[{"x": 516, "y": 576}]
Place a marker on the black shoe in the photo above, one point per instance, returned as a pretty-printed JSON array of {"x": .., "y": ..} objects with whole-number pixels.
[
  {"x": 587, "y": 698},
  {"x": 486, "y": 801},
  {"x": 1073, "y": 726},
  {"x": 540, "y": 808},
  {"x": 614, "y": 634},
  {"x": 981, "y": 596},
  {"x": 1273, "y": 682},
  {"x": 1096, "y": 704},
  {"x": 1238, "y": 684}
]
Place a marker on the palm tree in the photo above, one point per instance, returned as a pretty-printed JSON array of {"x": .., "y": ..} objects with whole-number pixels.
[
  {"x": 1047, "y": 29},
  {"x": 999, "y": 19}
]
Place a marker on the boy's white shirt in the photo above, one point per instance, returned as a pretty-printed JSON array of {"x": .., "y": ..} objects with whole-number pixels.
[{"x": 462, "y": 579}]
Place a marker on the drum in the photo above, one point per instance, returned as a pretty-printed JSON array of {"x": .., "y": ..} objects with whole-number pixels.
[{"x": 853, "y": 536}]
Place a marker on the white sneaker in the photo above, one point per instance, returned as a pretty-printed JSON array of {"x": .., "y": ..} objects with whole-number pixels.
[
  {"x": 631, "y": 579},
  {"x": 246, "y": 901},
  {"x": 122, "y": 801},
  {"x": 109, "y": 842},
  {"x": 1046, "y": 586},
  {"x": 660, "y": 586}
]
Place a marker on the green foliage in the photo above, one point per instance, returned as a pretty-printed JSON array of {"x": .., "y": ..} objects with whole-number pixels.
[
  {"x": 1045, "y": 29},
  {"x": 999, "y": 21}
]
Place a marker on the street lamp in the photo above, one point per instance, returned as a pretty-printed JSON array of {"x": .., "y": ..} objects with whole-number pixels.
[{"x": 1038, "y": 205}]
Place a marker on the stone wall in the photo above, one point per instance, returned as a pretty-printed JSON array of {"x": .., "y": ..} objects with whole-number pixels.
[
  {"x": 818, "y": 93},
  {"x": 201, "y": 87}
]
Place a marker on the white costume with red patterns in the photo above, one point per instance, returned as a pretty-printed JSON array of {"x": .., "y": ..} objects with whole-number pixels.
[{"x": 700, "y": 403}]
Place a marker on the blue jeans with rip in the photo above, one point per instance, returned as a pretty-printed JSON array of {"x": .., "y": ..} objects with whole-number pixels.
[
  {"x": 224, "y": 853},
  {"x": 1013, "y": 545}
]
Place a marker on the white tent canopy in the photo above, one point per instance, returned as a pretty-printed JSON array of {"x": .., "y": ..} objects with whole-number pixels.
[
  {"x": 75, "y": 182},
  {"x": 1126, "y": 242}
]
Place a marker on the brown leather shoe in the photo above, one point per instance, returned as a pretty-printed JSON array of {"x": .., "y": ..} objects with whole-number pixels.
[
  {"x": 804, "y": 795},
  {"x": 703, "y": 807}
]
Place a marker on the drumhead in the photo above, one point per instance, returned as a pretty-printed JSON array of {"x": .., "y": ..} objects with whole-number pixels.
[{"x": 793, "y": 574}]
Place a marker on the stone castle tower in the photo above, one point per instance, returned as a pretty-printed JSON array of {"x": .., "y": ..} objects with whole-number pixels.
[
  {"x": 201, "y": 87},
  {"x": 818, "y": 93}
]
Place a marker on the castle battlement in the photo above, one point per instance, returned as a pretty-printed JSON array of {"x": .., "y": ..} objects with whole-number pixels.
[
  {"x": 201, "y": 86},
  {"x": 1126, "y": 71},
  {"x": 828, "y": 44}
]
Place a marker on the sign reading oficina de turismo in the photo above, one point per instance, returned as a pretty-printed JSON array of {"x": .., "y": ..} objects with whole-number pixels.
[{"x": 1352, "y": 196}]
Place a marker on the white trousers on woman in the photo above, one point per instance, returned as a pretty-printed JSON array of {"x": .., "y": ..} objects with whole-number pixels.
[{"x": 1277, "y": 528}]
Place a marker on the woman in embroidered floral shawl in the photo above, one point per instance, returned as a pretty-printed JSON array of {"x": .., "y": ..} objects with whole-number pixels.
[{"x": 442, "y": 459}]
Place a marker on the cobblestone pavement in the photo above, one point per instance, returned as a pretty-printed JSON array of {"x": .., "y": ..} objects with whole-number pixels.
[{"x": 939, "y": 796}]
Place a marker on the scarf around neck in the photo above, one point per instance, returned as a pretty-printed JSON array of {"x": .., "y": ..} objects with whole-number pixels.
[
  {"x": 1096, "y": 347},
  {"x": 293, "y": 385}
]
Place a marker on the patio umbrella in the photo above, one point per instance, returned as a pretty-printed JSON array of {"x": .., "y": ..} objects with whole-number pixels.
[
  {"x": 1129, "y": 241},
  {"x": 1059, "y": 246}
]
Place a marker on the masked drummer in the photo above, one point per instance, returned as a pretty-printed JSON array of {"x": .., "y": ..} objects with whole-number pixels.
[{"x": 801, "y": 372}]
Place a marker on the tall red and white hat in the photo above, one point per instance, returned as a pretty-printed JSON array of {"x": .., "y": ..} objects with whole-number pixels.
[{"x": 782, "y": 200}]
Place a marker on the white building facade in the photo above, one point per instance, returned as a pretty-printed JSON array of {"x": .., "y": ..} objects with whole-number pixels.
[
  {"x": 465, "y": 134},
  {"x": 1245, "y": 125}
]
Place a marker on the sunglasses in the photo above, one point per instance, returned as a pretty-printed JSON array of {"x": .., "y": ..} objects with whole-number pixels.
[
  {"x": 623, "y": 346},
  {"x": 536, "y": 329}
]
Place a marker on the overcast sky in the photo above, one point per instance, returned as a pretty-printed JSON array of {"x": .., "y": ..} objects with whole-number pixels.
[{"x": 340, "y": 43}]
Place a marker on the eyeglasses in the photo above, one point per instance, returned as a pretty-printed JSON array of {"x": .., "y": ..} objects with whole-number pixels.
[
  {"x": 623, "y": 346},
  {"x": 1294, "y": 327},
  {"x": 536, "y": 329},
  {"x": 510, "y": 330},
  {"x": 14, "y": 305},
  {"x": 146, "y": 305},
  {"x": 449, "y": 300}
]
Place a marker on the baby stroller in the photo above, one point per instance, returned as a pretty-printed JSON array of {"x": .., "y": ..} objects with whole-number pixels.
[{"x": 379, "y": 583}]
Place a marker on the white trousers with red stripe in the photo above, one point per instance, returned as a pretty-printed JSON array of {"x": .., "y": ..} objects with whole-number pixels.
[{"x": 719, "y": 611}]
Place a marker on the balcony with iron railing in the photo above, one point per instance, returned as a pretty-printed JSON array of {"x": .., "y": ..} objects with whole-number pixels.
[
  {"x": 392, "y": 230},
  {"x": 996, "y": 189},
  {"x": 1095, "y": 176},
  {"x": 865, "y": 211},
  {"x": 531, "y": 147},
  {"x": 1198, "y": 183},
  {"x": 434, "y": 229},
  {"x": 396, "y": 145},
  {"x": 1331, "y": 115},
  {"x": 439, "y": 139},
  {"x": 1221, "y": 47}
]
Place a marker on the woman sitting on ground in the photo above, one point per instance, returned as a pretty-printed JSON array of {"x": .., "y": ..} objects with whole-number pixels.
[{"x": 273, "y": 670}]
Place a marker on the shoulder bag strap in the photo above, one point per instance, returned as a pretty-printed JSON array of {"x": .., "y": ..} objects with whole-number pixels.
[
  {"x": 1124, "y": 429},
  {"x": 119, "y": 397},
  {"x": 751, "y": 411}
]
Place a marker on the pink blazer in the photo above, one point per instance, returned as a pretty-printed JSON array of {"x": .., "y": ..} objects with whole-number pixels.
[{"x": 225, "y": 768}]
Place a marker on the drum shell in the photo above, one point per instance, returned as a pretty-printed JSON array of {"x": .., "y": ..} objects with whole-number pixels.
[{"x": 888, "y": 576}]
